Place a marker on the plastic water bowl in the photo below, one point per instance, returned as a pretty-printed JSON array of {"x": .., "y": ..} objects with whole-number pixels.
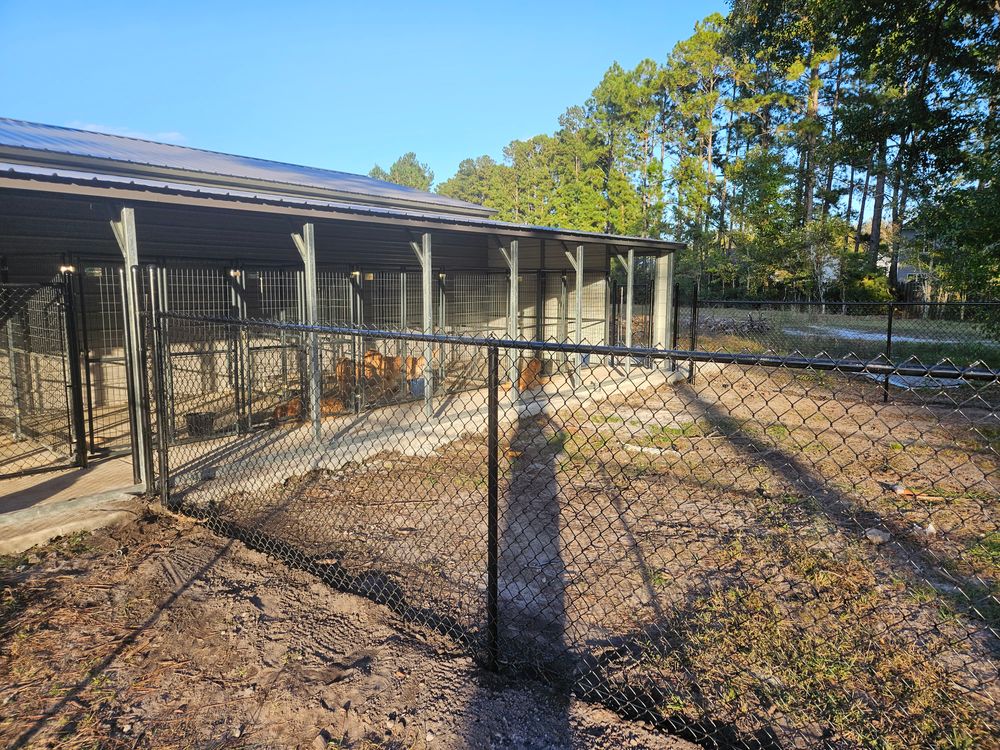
[{"x": 417, "y": 387}]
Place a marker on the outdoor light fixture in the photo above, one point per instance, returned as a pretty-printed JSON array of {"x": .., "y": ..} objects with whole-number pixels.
[
  {"x": 356, "y": 274},
  {"x": 67, "y": 269},
  {"x": 234, "y": 272},
  {"x": 369, "y": 277}
]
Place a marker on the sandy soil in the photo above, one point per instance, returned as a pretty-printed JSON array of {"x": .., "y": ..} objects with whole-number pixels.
[{"x": 162, "y": 634}]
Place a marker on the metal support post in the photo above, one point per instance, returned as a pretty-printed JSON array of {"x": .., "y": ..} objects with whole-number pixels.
[
  {"x": 423, "y": 253},
  {"x": 563, "y": 333},
  {"x": 674, "y": 314},
  {"x": 493, "y": 510},
  {"x": 403, "y": 326},
  {"x": 160, "y": 386},
  {"x": 356, "y": 312},
  {"x": 443, "y": 349},
  {"x": 664, "y": 306},
  {"x": 15, "y": 384},
  {"x": 305, "y": 243},
  {"x": 75, "y": 377},
  {"x": 511, "y": 256},
  {"x": 694, "y": 331},
  {"x": 629, "y": 262},
  {"x": 143, "y": 416},
  {"x": 577, "y": 263},
  {"x": 125, "y": 233},
  {"x": 540, "y": 294},
  {"x": 242, "y": 369}
]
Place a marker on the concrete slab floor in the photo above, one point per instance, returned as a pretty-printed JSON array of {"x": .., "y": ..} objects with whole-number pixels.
[
  {"x": 38, "y": 507},
  {"x": 102, "y": 475}
]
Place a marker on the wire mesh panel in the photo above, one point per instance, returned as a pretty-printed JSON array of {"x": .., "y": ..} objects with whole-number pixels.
[
  {"x": 383, "y": 302},
  {"x": 102, "y": 343},
  {"x": 620, "y": 316},
  {"x": 35, "y": 417},
  {"x": 217, "y": 364},
  {"x": 527, "y": 324},
  {"x": 336, "y": 299},
  {"x": 280, "y": 294},
  {"x": 642, "y": 301},
  {"x": 478, "y": 302},
  {"x": 770, "y": 556},
  {"x": 272, "y": 377},
  {"x": 593, "y": 305}
]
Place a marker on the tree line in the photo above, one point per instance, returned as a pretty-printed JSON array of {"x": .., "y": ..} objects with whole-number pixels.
[{"x": 805, "y": 149}]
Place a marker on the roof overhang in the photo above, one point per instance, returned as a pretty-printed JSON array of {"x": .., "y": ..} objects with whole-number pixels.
[
  {"x": 110, "y": 168},
  {"x": 133, "y": 189}
]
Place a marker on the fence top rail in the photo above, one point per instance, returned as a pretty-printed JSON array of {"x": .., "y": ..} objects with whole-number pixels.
[
  {"x": 877, "y": 366},
  {"x": 841, "y": 303},
  {"x": 29, "y": 285}
]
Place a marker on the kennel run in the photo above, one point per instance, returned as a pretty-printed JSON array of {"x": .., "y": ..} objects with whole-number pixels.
[{"x": 103, "y": 224}]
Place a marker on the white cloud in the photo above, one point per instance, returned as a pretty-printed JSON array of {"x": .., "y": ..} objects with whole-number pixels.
[{"x": 163, "y": 136}]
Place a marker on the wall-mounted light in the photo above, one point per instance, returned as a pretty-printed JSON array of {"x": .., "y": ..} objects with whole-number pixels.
[
  {"x": 234, "y": 272},
  {"x": 355, "y": 274},
  {"x": 369, "y": 277},
  {"x": 67, "y": 269}
]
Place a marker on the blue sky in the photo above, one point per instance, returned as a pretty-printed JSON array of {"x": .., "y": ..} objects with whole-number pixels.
[{"x": 329, "y": 84}]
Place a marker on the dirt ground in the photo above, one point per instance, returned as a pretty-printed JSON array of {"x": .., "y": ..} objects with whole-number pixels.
[
  {"x": 163, "y": 634},
  {"x": 698, "y": 554}
]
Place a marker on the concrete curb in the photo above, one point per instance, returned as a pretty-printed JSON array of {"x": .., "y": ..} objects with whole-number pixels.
[{"x": 26, "y": 528}]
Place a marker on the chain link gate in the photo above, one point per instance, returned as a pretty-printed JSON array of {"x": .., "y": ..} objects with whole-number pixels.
[{"x": 41, "y": 407}]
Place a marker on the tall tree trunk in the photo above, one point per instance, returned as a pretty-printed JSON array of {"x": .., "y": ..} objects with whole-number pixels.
[
  {"x": 900, "y": 192},
  {"x": 878, "y": 207},
  {"x": 864, "y": 201},
  {"x": 812, "y": 114},
  {"x": 725, "y": 177},
  {"x": 850, "y": 194},
  {"x": 709, "y": 154},
  {"x": 827, "y": 197}
]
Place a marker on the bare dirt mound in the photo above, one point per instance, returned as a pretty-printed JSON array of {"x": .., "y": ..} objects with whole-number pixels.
[{"x": 163, "y": 634}]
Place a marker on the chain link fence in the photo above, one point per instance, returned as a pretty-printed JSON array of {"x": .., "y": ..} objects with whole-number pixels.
[
  {"x": 40, "y": 416},
  {"x": 765, "y": 555},
  {"x": 962, "y": 332}
]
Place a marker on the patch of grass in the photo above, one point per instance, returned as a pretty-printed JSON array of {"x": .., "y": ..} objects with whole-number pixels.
[
  {"x": 777, "y": 431},
  {"x": 659, "y": 579},
  {"x": 922, "y": 593},
  {"x": 602, "y": 419},
  {"x": 665, "y": 435},
  {"x": 987, "y": 549},
  {"x": 75, "y": 544},
  {"x": 805, "y": 502},
  {"x": 837, "y": 675}
]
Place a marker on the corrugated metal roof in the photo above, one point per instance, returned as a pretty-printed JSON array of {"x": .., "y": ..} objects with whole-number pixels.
[
  {"x": 97, "y": 180},
  {"x": 50, "y": 144}
]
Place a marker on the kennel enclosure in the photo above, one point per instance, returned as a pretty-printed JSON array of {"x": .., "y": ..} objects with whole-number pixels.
[{"x": 124, "y": 222}]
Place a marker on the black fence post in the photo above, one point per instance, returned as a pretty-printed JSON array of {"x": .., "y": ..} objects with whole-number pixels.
[
  {"x": 493, "y": 504},
  {"x": 161, "y": 396},
  {"x": 674, "y": 317},
  {"x": 888, "y": 352},
  {"x": 694, "y": 330},
  {"x": 143, "y": 419},
  {"x": 75, "y": 379}
]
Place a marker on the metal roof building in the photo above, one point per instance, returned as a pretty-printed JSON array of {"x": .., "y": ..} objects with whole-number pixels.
[{"x": 217, "y": 233}]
